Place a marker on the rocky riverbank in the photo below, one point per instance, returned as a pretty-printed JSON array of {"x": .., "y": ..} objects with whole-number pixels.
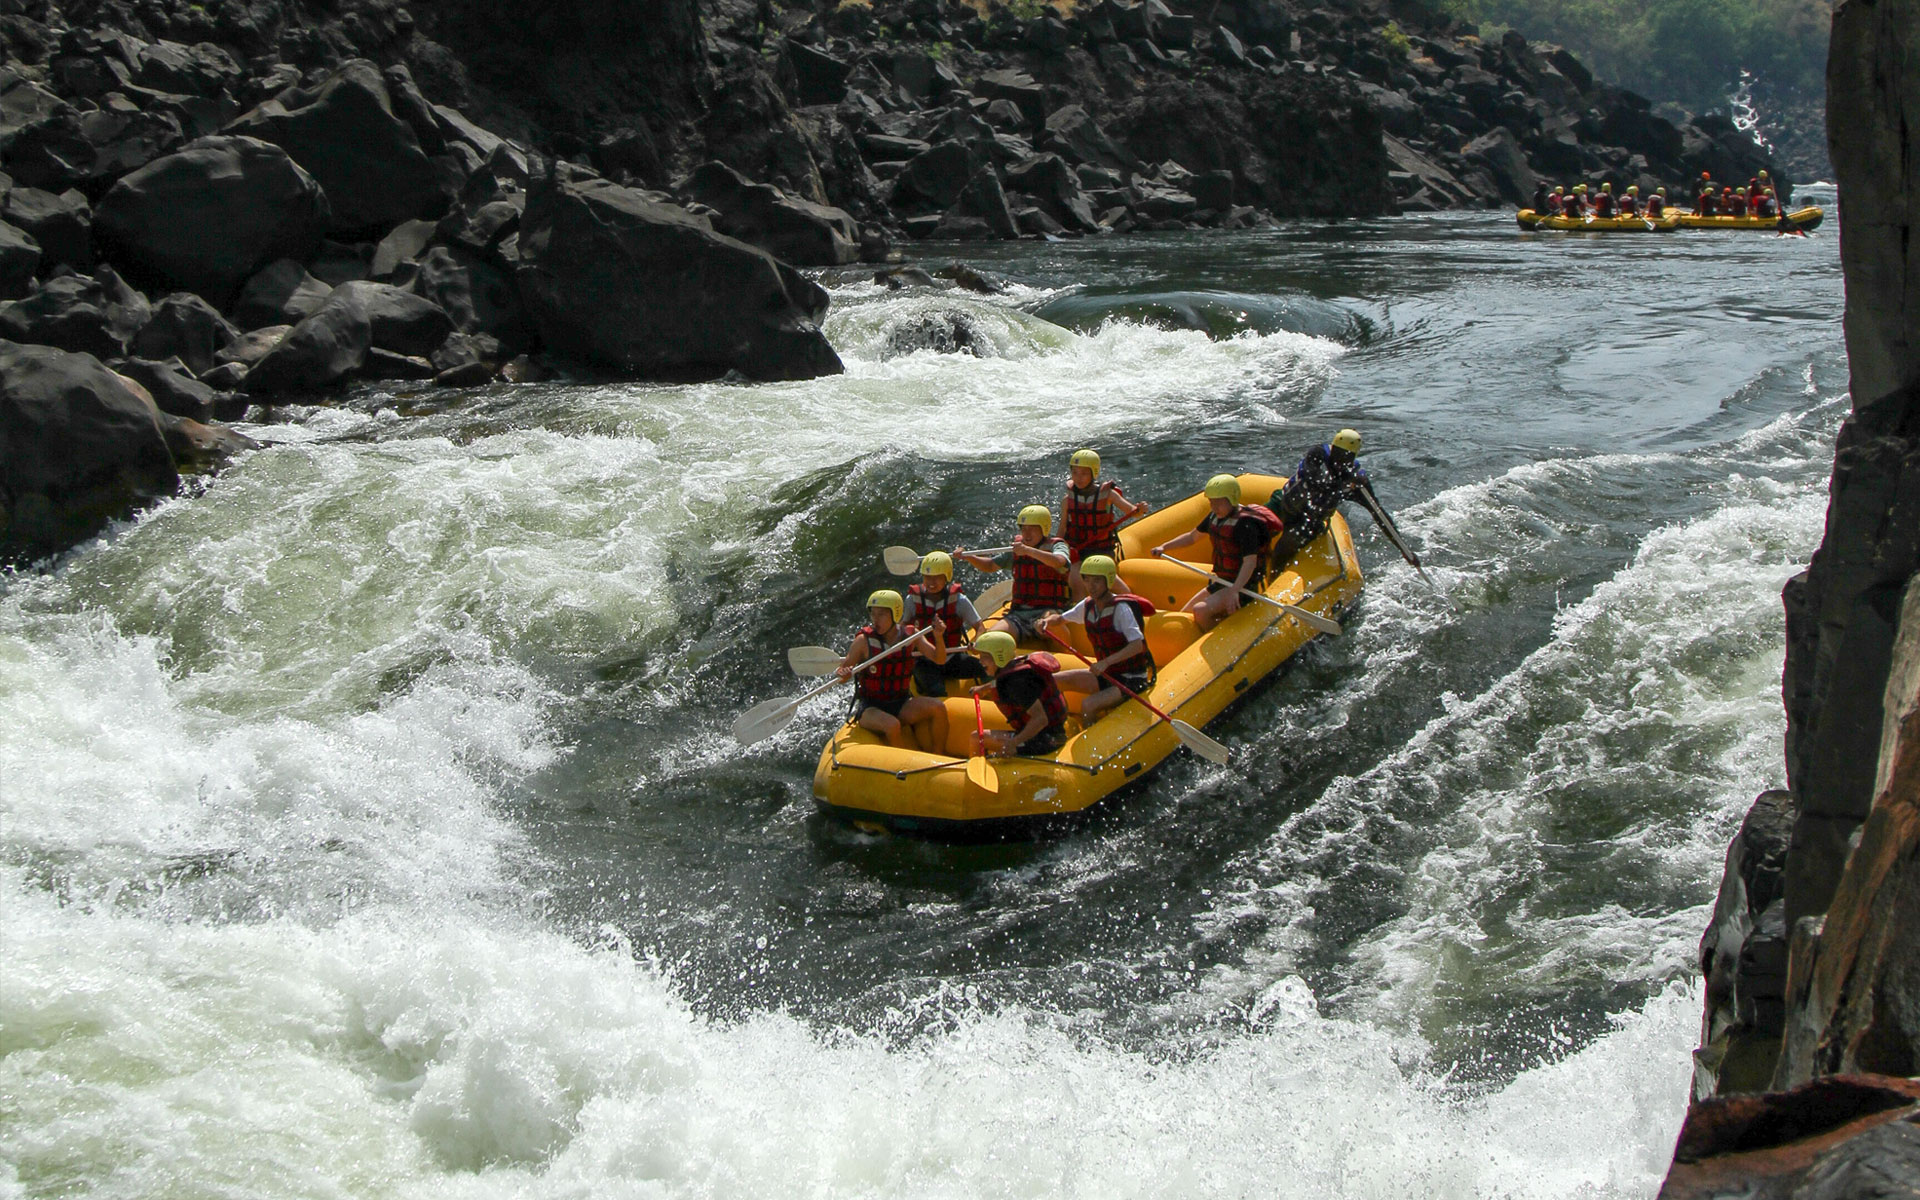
[
  {"x": 253, "y": 202},
  {"x": 1804, "y": 1081}
]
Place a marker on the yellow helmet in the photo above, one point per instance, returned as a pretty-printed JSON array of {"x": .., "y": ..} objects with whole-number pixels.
[
  {"x": 1223, "y": 487},
  {"x": 998, "y": 645},
  {"x": 1087, "y": 459},
  {"x": 888, "y": 599},
  {"x": 1633, "y": 190},
  {"x": 1739, "y": 191},
  {"x": 1580, "y": 187},
  {"x": 1101, "y": 565},
  {"x": 1763, "y": 174},
  {"x": 1037, "y": 514},
  {"x": 1348, "y": 440},
  {"x": 1660, "y": 191},
  {"x": 937, "y": 562},
  {"x": 1606, "y": 187}
]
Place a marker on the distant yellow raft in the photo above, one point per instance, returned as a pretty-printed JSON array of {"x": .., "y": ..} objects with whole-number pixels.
[
  {"x": 1802, "y": 219},
  {"x": 863, "y": 779},
  {"x": 1530, "y": 219}
]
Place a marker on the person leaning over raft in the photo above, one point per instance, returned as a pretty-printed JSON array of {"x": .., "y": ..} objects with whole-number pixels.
[
  {"x": 1238, "y": 536},
  {"x": 884, "y": 700},
  {"x": 1116, "y": 627},
  {"x": 1090, "y": 512},
  {"x": 937, "y": 598},
  {"x": 1022, "y": 687},
  {"x": 1039, "y": 562},
  {"x": 1327, "y": 474}
]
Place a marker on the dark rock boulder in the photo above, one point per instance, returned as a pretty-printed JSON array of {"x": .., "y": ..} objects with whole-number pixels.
[
  {"x": 24, "y": 103},
  {"x": 77, "y": 449},
  {"x": 160, "y": 219},
  {"x": 320, "y": 351},
  {"x": 617, "y": 280},
  {"x": 95, "y": 315},
  {"x": 172, "y": 386},
  {"x": 186, "y": 327},
  {"x": 19, "y": 258},
  {"x": 250, "y": 347},
  {"x": 980, "y": 210},
  {"x": 936, "y": 178},
  {"x": 344, "y": 133},
  {"x": 1506, "y": 162},
  {"x": 398, "y": 320},
  {"x": 89, "y": 150},
  {"x": 1056, "y": 188},
  {"x": 1017, "y": 88},
  {"x": 1077, "y": 137},
  {"x": 280, "y": 293},
  {"x": 202, "y": 69},
  {"x": 790, "y": 229},
  {"x": 813, "y": 76},
  {"x": 481, "y": 301},
  {"x": 406, "y": 243},
  {"x": 62, "y": 224}
]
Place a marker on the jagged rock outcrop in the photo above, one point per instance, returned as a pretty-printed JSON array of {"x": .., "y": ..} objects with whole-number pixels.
[
  {"x": 623, "y": 282},
  {"x": 1850, "y": 881}
]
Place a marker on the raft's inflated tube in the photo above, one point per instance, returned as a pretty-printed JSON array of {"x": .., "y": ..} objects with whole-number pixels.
[{"x": 862, "y": 778}]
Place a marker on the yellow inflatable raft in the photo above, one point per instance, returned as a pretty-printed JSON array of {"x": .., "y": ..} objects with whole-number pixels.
[
  {"x": 862, "y": 778},
  {"x": 1802, "y": 219},
  {"x": 1530, "y": 219}
]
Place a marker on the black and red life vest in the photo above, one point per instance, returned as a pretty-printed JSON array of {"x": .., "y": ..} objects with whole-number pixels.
[
  {"x": 1227, "y": 555},
  {"x": 946, "y": 606},
  {"x": 1037, "y": 585},
  {"x": 891, "y": 678},
  {"x": 1603, "y": 205},
  {"x": 1629, "y": 206},
  {"x": 1041, "y": 665},
  {"x": 1107, "y": 639},
  {"x": 1089, "y": 520},
  {"x": 1655, "y": 206}
]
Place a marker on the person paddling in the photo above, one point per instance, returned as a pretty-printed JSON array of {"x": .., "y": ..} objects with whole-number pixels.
[
  {"x": 884, "y": 702},
  {"x": 1556, "y": 202},
  {"x": 1630, "y": 203},
  {"x": 1039, "y": 561},
  {"x": 1023, "y": 688},
  {"x": 1738, "y": 205},
  {"x": 1326, "y": 475},
  {"x": 1657, "y": 204},
  {"x": 1238, "y": 536},
  {"x": 1603, "y": 206},
  {"x": 938, "y": 598},
  {"x": 1091, "y": 511},
  {"x": 1116, "y": 626},
  {"x": 1576, "y": 206}
]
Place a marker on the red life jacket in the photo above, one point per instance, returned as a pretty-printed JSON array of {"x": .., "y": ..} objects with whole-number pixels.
[
  {"x": 1603, "y": 205},
  {"x": 1556, "y": 205},
  {"x": 1737, "y": 206},
  {"x": 1629, "y": 206},
  {"x": 1107, "y": 639},
  {"x": 1043, "y": 665},
  {"x": 1089, "y": 523},
  {"x": 946, "y": 606},
  {"x": 891, "y": 678},
  {"x": 1227, "y": 555},
  {"x": 1655, "y": 206},
  {"x": 1037, "y": 585}
]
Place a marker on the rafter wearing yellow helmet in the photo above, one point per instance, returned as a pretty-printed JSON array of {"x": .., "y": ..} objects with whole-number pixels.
[
  {"x": 1039, "y": 562},
  {"x": 883, "y": 698},
  {"x": 1090, "y": 513}
]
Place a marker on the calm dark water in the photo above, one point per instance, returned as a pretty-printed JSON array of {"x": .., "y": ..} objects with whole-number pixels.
[{"x": 396, "y": 765}]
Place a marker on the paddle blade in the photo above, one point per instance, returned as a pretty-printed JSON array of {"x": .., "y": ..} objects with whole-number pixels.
[
  {"x": 980, "y": 773},
  {"x": 991, "y": 600},
  {"x": 1199, "y": 742},
  {"x": 764, "y": 720},
  {"x": 901, "y": 560},
  {"x": 1313, "y": 620},
  {"x": 811, "y": 661}
]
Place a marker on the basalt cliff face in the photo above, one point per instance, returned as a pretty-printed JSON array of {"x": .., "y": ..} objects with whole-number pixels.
[{"x": 1803, "y": 1084}]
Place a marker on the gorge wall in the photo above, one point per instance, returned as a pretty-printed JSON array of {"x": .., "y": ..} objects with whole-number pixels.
[{"x": 1812, "y": 1034}]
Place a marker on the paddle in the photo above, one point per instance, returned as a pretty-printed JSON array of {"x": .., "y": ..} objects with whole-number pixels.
[
  {"x": 905, "y": 560},
  {"x": 1190, "y": 737},
  {"x": 980, "y": 772},
  {"x": 990, "y": 600},
  {"x": 769, "y": 717},
  {"x": 1393, "y": 535},
  {"x": 809, "y": 661},
  {"x": 1326, "y": 625}
]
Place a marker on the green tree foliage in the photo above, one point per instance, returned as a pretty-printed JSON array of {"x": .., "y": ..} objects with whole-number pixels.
[{"x": 1689, "y": 51}]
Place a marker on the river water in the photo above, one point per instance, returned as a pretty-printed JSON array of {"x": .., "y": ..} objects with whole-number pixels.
[{"x": 369, "y": 824}]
